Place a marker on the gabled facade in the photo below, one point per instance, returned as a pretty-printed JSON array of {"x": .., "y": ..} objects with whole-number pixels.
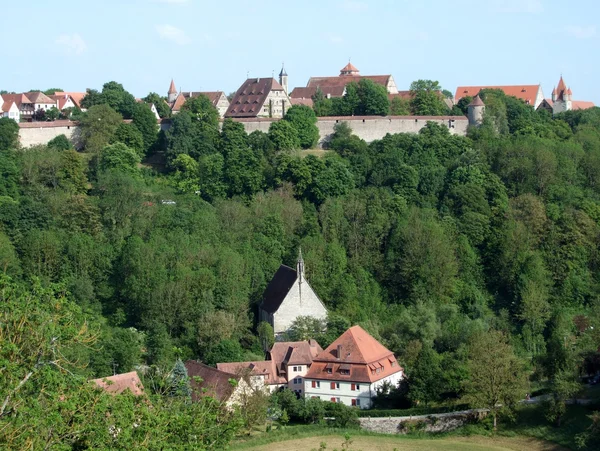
[
  {"x": 176, "y": 100},
  {"x": 351, "y": 369},
  {"x": 289, "y": 296},
  {"x": 349, "y": 74},
  {"x": 292, "y": 361},
  {"x": 259, "y": 97},
  {"x": 10, "y": 109},
  {"x": 262, "y": 374},
  {"x": 75, "y": 97},
  {"x": 208, "y": 381}
]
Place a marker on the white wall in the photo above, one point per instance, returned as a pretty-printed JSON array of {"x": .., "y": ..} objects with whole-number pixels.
[{"x": 301, "y": 300}]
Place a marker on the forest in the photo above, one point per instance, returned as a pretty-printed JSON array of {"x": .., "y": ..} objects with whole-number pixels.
[{"x": 111, "y": 263}]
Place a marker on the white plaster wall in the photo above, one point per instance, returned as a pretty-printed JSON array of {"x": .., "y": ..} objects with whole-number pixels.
[
  {"x": 296, "y": 304},
  {"x": 364, "y": 391}
]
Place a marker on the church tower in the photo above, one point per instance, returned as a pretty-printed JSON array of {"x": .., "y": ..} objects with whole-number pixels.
[
  {"x": 283, "y": 79},
  {"x": 172, "y": 94},
  {"x": 562, "y": 98}
]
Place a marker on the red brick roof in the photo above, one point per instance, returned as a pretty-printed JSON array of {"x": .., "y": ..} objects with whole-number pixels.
[
  {"x": 527, "y": 93},
  {"x": 251, "y": 96},
  {"x": 265, "y": 368},
  {"x": 120, "y": 382},
  {"x": 309, "y": 92},
  {"x": 365, "y": 358},
  {"x": 305, "y": 102},
  {"x": 349, "y": 70},
  {"x": 212, "y": 381}
]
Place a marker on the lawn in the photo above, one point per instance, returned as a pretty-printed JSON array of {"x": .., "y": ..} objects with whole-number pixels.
[{"x": 401, "y": 443}]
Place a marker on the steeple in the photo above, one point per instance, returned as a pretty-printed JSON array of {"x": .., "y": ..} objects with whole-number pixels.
[
  {"x": 349, "y": 70},
  {"x": 172, "y": 94},
  {"x": 300, "y": 265},
  {"x": 283, "y": 78}
]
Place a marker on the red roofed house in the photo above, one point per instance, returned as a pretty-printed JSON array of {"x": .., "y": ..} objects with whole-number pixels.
[
  {"x": 120, "y": 382},
  {"x": 226, "y": 387},
  {"x": 9, "y": 108},
  {"x": 562, "y": 100},
  {"x": 176, "y": 100},
  {"x": 30, "y": 102},
  {"x": 351, "y": 369},
  {"x": 530, "y": 94},
  {"x": 336, "y": 86},
  {"x": 259, "y": 97},
  {"x": 262, "y": 374},
  {"x": 292, "y": 361}
]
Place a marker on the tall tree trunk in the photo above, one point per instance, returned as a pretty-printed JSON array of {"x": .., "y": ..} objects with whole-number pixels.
[{"x": 495, "y": 423}]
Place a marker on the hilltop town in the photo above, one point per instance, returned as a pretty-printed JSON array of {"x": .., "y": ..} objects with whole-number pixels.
[{"x": 202, "y": 270}]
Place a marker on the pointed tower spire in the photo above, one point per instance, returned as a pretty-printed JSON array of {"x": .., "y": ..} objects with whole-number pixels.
[
  {"x": 172, "y": 94},
  {"x": 283, "y": 78},
  {"x": 300, "y": 265}
]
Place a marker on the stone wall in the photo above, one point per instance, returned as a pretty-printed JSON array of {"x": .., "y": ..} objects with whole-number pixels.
[
  {"x": 426, "y": 423},
  {"x": 36, "y": 133},
  {"x": 368, "y": 128}
]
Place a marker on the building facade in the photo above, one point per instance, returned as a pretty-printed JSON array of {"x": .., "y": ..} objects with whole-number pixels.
[
  {"x": 259, "y": 98},
  {"x": 562, "y": 100},
  {"x": 293, "y": 360},
  {"x": 289, "y": 296},
  {"x": 351, "y": 370},
  {"x": 530, "y": 94}
]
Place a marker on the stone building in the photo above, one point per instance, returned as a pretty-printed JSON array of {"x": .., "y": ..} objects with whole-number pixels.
[
  {"x": 351, "y": 369},
  {"x": 475, "y": 111},
  {"x": 336, "y": 86},
  {"x": 562, "y": 100},
  {"x": 289, "y": 296},
  {"x": 175, "y": 99},
  {"x": 260, "y": 98}
]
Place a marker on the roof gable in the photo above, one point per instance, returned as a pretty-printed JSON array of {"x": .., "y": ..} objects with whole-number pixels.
[
  {"x": 120, "y": 382},
  {"x": 527, "y": 93},
  {"x": 251, "y": 96},
  {"x": 294, "y": 352},
  {"x": 278, "y": 288},
  {"x": 213, "y": 382}
]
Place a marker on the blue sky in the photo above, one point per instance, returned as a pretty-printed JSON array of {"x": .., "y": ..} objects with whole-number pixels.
[{"x": 212, "y": 45}]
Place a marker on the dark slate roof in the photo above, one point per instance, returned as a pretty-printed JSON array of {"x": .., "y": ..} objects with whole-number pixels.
[
  {"x": 278, "y": 288},
  {"x": 251, "y": 96}
]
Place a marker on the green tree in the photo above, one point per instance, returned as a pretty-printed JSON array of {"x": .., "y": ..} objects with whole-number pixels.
[
  {"x": 180, "y": 381},
  {"x": 160, "y": 103},
  {"x": 119, "y": 157},
  {"x": 284, "y": 135},
  {"x": 304, "y": 120},
  {"x": 399, "y": 106},
  {"x": 145, "y": 121},
  {"x": 98, "y": 126},
  {"x": 61, "y": 142},
  {"x": 114, "y": 95},
  {"x": 374, "y": 99},
  {"x": 266, "y": 335},
  {"x": 186, "y": 174},
  {"x": 427, "y": 99},
  {"x": 496, "y": 377},
  {"x": 9, "y": 133},
  {"x": 129, "y": 135},
  {"x": 426, "y": 377}
]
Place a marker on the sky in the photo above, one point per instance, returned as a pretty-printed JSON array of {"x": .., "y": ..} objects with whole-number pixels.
[{"x": 214, "y": 45}]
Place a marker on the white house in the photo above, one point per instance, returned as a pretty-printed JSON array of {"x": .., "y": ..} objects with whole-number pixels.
[
  {"x": 289, "y": 296},
  {"x": 292, "y": 361},
  {"x": 261, "y": 374},
  {"x": 351, "y": 369},
  {"x": 9, "y": 109}
]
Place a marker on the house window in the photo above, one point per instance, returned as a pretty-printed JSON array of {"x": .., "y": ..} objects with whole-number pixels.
[
  {"x": 328, "y": 370},
  {"x": 333, "y": 399},
  {"x": 315, "y": 384},
  {"x": 393, "y": 364},
  {"x": 354, "y": 403},
  {"x": 358, "y": 402},
  {"x": 298, "y": 380},
  {"x": 358, "y": 386},
  {"x": 332, "y": 385},
  {"x": 345, "y": 372}
]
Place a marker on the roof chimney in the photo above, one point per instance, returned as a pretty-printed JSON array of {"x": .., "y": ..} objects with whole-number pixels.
[{"x": 339, "y": 352}]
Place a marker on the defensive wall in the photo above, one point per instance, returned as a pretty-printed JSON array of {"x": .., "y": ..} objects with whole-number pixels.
[{"x": 368, "y": 128}]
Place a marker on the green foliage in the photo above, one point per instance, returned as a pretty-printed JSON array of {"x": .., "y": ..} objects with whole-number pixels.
[
  {"x": 61, "y": 142},
  {"x": 9, "y": 133},
  {"x": 266, "y": 335},
  {"x": 120, "y": 158},
  {"x": 145, "y": 121},
  {"x": 160, "y": 103},
  {"x": 304, "y": 121},
  {"x": 427, "y": 99},
  {"x": 284, "y": 135},
  {"x": 115, "y": 96},
  {"x": 129, "y": 135},
  {"x": 98, "y": 126}
]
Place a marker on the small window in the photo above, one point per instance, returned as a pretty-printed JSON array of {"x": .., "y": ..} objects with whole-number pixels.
[
  {"x": 313, "y": 384},
  {"x": 354, "y": 403},
  {"x": 332, "y": 385},
  {"x": 328, "y": 370},
  {"x": 358, "y": 402},
  {"x": 318, "y": 384},
  {"x": 358, "y": 386}
]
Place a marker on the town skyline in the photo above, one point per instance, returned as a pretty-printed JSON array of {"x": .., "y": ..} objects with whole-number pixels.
[{"x": 153, "y": 41}]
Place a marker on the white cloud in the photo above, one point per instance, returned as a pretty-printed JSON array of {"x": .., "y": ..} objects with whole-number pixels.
[
  {"x": 73, "y": 44},
  {"x": 581, "y": 32},
  {"x": 519, "y": 6},
  {"x": 354, "y": 6},
  {"x": 173, "y": 34}
]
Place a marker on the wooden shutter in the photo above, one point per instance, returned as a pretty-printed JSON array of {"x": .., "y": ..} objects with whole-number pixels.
[
  {"x": 353, "y": 387},
  {"x": 333, "y": 385},
  {"x": 354, "y": 402},
  {"x": 314, "y": 384},
  {"x": 332, "y": 399}
]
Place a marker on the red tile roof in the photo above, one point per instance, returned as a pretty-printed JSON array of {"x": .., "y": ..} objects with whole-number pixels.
[
  {"x": 305, "y": 102},
  {"x": 60, "y": 100},
  {"x": 213, "y": 96},
  {"x": 265, "y": 368},
  {"x": 349, "y": 69},
  {"x": 401, "y": 94},
  {"x": 250, "y": 97},
  {"x": 76, "y": 97},
  {"x": 294, "y": 352},
  {"x": 477, "y": 101},
  {"x": 309, "y": 92},
  {"x": 341, "y": 81},
  {"x": 527, "y": 93},
  {"x": 582, "y": 105},
  {"x": 208, "y": 381},
  {"x": 120, "y": 382},
  {"x": 39, "y": 97},
  {"x": 366, "y": 359}
]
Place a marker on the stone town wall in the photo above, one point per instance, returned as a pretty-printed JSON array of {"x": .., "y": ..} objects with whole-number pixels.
[
  {"x": 36, "y": 133},
  {"x": 368, "y": 128},
  {"x": 426, "y": 423}
]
